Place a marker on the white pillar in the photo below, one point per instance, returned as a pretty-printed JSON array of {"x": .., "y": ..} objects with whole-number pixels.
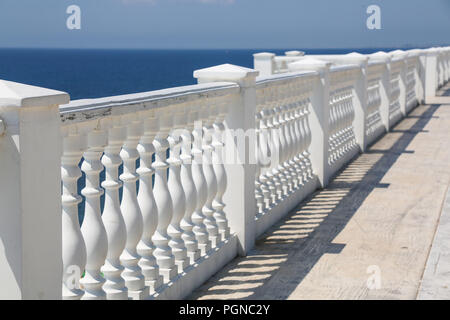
[
  {"x": 360, "y": 101},
  {"x": 419, "y": 73},
  {"x": 402, "y": 55},
  {"x": 320, "y": 115},
  {"x": 385, "y": 85},
  {"x": 430, "y": 74},
  {"x": 264, "y": 63},
  {"x": 31, "y": 265},
  {"x": 239, "y": 197}
]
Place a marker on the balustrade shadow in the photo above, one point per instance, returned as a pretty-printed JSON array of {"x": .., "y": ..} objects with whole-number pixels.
[
  {"x": 286, "y": 253},
  {"x": 444, "y": 91}
]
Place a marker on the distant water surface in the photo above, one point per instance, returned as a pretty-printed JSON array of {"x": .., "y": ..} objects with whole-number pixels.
[{"x": 98, "y": 73}]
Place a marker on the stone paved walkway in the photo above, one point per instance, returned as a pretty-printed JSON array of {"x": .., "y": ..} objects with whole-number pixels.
[{"x": 375, "y": 224}]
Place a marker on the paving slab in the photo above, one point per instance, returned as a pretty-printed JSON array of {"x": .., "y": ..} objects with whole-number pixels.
[{"x": 435, "y": 284}]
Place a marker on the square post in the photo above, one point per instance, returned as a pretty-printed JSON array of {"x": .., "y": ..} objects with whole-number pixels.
[
  {"x": 401, "y": 55},
  {"x": 385, "y": 86},
  {"x": 430, "y": 74},
  {"x": 264, "y": 63},
  {"x": 30, "y": 192},
  {"x": 360, "y": 94}
]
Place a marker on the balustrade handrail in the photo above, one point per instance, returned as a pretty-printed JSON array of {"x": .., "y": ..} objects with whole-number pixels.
[
  {"x": 283, "y": 78},
  {"x": 91, "y": 109}
]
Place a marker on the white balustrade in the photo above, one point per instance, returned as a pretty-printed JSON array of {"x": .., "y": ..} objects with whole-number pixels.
[{"x": 174, "y": 210}]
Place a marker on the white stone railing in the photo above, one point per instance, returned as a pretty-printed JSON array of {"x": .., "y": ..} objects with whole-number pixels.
[
  {"x": 171, "y": 185},
  {"x": 284, "y": 174},
  {"x": 147, "y": 243}
]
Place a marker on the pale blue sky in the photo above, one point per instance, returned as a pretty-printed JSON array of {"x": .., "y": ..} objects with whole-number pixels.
[{"x": 223, "y": 23}]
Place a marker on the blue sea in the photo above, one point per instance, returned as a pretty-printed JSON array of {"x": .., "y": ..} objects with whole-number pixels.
[{"x": 86, "y": 73}]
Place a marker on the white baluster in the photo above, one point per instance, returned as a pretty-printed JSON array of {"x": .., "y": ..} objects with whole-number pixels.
[
  {"x": 303, "y": 146},
  {"x": 278, "y": 125},
  {"x": 296, "y": 132},
  {"x": 308, "y": 137},
  {"x": 199, "y": 229},
  {"x": 275, "y": 175},
  {"x": 163, "y": 253},
  {"x": 285, "y": 121},
  {"x": 219, "y": 169},
  {"x": 112, "y": 215},
  {"x": 259, "y": 197},
  {"x": 266, "y": 183},
  {"x": 209, "y": 112},
  {"x": 292, "y": 105},
  {"x": 93, "y": 230},
  {"x": 134, "y": 279},
  {"x": 73, "y": 246},
  {"x": 176, "y": 192},
  {"x": 147, "y": 204},
  {"x": 187, "y": 182}
]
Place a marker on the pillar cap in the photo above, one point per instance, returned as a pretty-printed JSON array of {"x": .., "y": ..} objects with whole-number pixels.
[
  {"x": 399, "y": 54},
  {"x": 356, "y": 58},
  {"x": 310, "y": 64},
  {"x": 415, "y": 52},
  {"x": 15, "y": 94},
  {"x": 294, "y": 53},
  {"x": 431, "y": 51},
  {"x": 263, "y": 55},
  {"x": 380, "y": 56},
  {"x": 225, "y": 72}
]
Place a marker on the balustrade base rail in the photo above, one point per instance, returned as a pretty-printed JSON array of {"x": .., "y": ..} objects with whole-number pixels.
[
  {"x": 197, "y": 274},
  {"x": 268, "y": 218}
]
